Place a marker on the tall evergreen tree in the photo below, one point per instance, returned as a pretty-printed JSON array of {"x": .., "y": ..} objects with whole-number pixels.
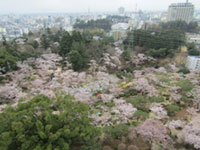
[
  {"x": 45, "y": 41},
  {"x": 76, "y": 59},
  {"x": 65, "y": 44}
]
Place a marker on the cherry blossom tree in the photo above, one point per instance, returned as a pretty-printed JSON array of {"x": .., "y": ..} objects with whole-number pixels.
[
  {"x": 154, "y": 131},
  {"x": 191, "y": 133}
]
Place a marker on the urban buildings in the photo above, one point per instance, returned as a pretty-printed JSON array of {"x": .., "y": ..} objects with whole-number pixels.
[
  {"x": 181, "y": 11},
  {"x": 193, "y": 63},
  {"x": 119, "y": 31},
  {"x": 193, "y": 38}
]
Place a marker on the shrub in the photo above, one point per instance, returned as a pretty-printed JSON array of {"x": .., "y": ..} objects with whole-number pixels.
[
  {"x": 128, "y": 92},
  {"x": 166, "y": 80},
  {"x": 33, "y": 43},
  {"x": 120, "y": 74},
  {"x": 137, "y": 100},
  {"x": 185, "y": 85},
  {"x": 126, "y": 55},
  {"x": 27, "y": 54},
  {"x": 184, "y": 70},
  {"x": 93, "y": 145},
  {"x": 172, "y": 109},
  {"x": 141, "y": 115},
  {"x": 141, "y": 101},
  {"x": 192, "y": 50},
  {"x": 45, "y": 124},
  {"x": 156, "y": 99},
  {"x": 108, "y": 104},
  {"x": 4, "y": 78},
  {"x": 117, "y": 131}
]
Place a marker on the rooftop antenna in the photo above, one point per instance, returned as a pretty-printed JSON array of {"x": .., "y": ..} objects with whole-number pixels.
[{"x": 136, "y": 8}]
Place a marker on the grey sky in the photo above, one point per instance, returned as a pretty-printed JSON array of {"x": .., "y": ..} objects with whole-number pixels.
[{"x": 30, "y": 6}]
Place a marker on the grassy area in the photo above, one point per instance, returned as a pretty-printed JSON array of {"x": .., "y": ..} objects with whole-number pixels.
[
  {"x": 108, "y": 104},
  {"x": 185, "y": 85}
]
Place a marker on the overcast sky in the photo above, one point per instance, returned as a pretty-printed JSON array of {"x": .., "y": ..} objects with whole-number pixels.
[{"x": 35, "y": 6}]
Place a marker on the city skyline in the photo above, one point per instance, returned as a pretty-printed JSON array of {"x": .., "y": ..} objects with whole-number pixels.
[{"x": 47, "y": 6}]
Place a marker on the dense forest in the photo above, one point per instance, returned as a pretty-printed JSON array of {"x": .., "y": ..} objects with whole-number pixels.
[
  {"x": 181, "y": 25},
  {"x": 93, "y": 24},
  {"x": 157, "y": 44},
  {"x": 79, "y": 47}
]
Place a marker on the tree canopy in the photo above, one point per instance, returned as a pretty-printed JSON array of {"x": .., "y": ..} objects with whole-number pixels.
[
  {"x": 65, "y": 44},
  {"x": 181, "y": 25},
  {"x": 46, "y": 124},
  {"x": 80, "y": 48},
  {"x": 157, "y": 43},
  {"x": 93, "y": 24},
  {"x": 192, "y": 50},
  {"x": 45, "y": 41},
  {"x": 7, "y": 61},
  {"x": 76, "y": 59}
]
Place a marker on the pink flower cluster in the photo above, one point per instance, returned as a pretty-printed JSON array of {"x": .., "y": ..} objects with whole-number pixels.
[
  {"x": 154, "y": 131},
  {"x": 191, "y": 133}
]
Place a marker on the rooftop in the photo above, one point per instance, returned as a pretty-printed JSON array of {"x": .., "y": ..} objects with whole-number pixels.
[
  {"x": 181, "y": 5},
  {"x": 197, "y": 57}
]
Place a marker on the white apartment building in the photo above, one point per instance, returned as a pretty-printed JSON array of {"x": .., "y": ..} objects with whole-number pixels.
[
  {"x": 193, "y": 63},
  {"x": 181, "y": 11}
]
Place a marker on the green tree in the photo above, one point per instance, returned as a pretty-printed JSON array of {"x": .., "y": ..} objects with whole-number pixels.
[
  {"x": 184, "y": 70},
  {"x": 117, "y": 131},
  {"x": 76, "y": 60},
  {"x": 7, "y": 61},
  {"x": 65, "y": 44},
  {"x": 30, "y": 33},
  {"x": 172, "y": 109},
  {"x": 161, "y": 53},
  {"x": 181, "y": 25},
  {"x": 56, "y": 37},
  {"x": 81, "y": 48},
  {"x": 4, "y": 41},
  {"x": 154, "y": 42},
  {"x": 45, "y": 41},
  {"x": 192, "y": 50},
  {"x": 107, "y": 41},
  {"x": 76, "y": 36},
  {"x": 126, "y": 55},
  {"x": 157, "y": 39},
  {"x": 33, "y": 43},
  {"x": 46, "y": 124},
  {"x": 87, "y": 36}
]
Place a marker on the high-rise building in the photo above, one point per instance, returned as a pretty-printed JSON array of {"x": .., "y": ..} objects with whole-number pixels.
[
  {"x": 121, "y": 10},
  {"x": 181, "y": 11}
]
